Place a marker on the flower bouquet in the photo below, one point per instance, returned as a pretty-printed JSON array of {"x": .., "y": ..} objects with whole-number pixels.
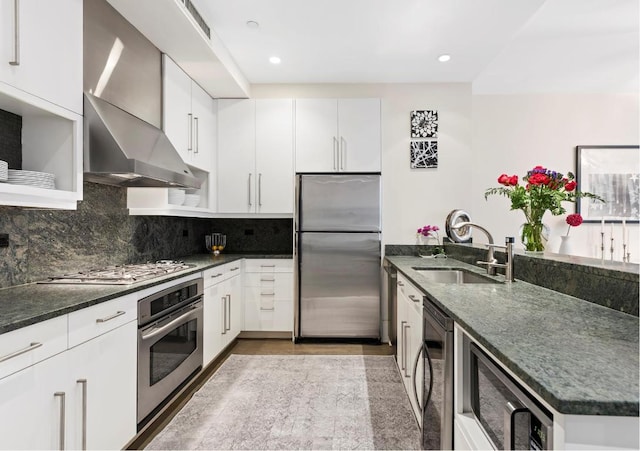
[{"x": 544, "y": 190}]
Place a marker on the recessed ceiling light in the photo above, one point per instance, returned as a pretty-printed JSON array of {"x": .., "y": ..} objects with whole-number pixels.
[
  {"x": 253, "y": 24},
  {"x": 444, "y": 58},
  {"x": 274, "y": 60}
]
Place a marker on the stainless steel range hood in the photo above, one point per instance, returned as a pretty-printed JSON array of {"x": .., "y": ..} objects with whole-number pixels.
[{"x": 121, "y": 149}]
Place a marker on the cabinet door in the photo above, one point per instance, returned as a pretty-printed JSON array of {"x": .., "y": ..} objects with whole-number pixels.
[
  {"x": 214, "y": 311},
  {"x": 236, "y": 156},
  {"x": 360, "y": 139},
  {"x": 236, "y": 310},
  {"x": 108, "y": 364},
  {"x": 316, "y": 135},
  {"x": 176, "y": 108},
  {"x": 204, "y": 128},
  {"x": 50, "y": 50},
  {"x": 30, "y": 413},
  {"x": 274, "y": 155}
]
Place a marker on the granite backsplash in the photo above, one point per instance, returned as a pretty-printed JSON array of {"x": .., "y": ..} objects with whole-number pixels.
[{"x": 100, "y": 232}]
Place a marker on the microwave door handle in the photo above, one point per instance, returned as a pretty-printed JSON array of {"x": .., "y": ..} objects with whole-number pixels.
[
  {"x": 510, "y": 411},
  {"x": 160, "y": 330}
]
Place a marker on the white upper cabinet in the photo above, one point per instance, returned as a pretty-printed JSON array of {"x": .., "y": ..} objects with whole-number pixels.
[
  {"x": 189, "y": 116},
  {"x": 338, "y": 135},
  {"x": 255, "y": 156},
  {"x": 41, "y": 53}
]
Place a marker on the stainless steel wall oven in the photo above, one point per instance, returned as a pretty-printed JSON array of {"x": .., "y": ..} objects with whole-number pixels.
[{"x": 169, "y": 344}]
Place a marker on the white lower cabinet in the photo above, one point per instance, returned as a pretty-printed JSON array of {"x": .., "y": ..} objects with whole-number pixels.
[
  {"x": 106, "y": 367},
  {"x": 222, "y": 308},
  {"x": 409, "y": 343},
  {"x": 268, "y": 295}
]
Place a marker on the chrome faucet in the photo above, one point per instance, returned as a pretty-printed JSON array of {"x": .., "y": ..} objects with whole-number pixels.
[{"x": 492, "y": 262}]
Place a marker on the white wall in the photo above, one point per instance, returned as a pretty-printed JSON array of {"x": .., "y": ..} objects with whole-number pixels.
[
  {"x": 513, "y": 133},
  {"x": 411, "y": 197}
]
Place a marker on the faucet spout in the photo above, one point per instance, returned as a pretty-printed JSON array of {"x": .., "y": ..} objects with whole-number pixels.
[{"x": 460, "y": 225}]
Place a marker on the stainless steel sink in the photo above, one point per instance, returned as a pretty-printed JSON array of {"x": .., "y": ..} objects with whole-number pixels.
[{"x": 450, "y": 275}]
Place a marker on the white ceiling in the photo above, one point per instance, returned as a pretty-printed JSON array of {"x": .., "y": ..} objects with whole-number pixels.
[{"x": 502, "y": 46}]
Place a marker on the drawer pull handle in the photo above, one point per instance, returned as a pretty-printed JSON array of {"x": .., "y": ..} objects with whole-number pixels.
[
  {"x": 267, "y": 266},
  {"x": 268, "y": 293},
  {"x": 235, "y": 269},
  {"x": 267, "y": 279},
  {"x": 268, "y": 309},
  {"x": 413, "y": 298},
  {"x": 400, "y": 284},
  {"x": 216, "y": 275},
  {"x": 83, "y": 382},
  {"x": 62, "y": 396},
  {"x": 31, "y": 347},
  {"x": 109, "y": 318}
]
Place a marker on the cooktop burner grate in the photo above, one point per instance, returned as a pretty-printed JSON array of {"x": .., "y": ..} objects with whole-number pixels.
[{"x": 121, "y": 274}]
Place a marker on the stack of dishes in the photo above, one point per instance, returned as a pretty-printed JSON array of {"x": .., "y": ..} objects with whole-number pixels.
[
  {"x": 4, "y": 171},
  {"x": 191, "y": 200},
  {"x": 31, "y": 178},
  {"x": 176, "y": 196}
]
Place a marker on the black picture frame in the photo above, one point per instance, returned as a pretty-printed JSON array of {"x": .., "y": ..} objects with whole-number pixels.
[{"x": 613, "y": 173}]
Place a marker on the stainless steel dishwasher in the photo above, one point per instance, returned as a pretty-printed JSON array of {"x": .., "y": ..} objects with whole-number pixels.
[{"x": 437, "y": 352}]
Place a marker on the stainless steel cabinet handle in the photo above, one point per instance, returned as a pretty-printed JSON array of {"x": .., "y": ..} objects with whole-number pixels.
[
  {"x": 335, "y": 153},
  {"x": 16, "y": 34},
  {"x": 267, "y": 293},
  {"x": 267, "y": 266},
  {"x": 267, "y": 279},
  {"x": 224, "y": 315},
  {"x": 196, "y": 148},
  {"x": 216, "y": 275},
  {"x": 413, "y": 298},
  {"x": 405, "y": 349},
  {"x": 400, "y": 284},
  {"x": 403, "y": 342},
  {"x": 229, "y": 311},
  {"x": 249, "y": 190},
  {"x": 268, "y": 309},
  {"x": 31, "y": 347},
  {"x": 235, "y": 268},
  {"x": 83, "y": 382},
  {"x": 259, "y": 190},
  {"x": 190, "y": 135},
  {"x": 109, "y": 318},
  {"x": 61, "y": 395}
]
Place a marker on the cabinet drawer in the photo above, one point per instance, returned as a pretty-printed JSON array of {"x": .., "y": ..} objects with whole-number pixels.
[
  {"x": 283, "y": 281},
  {"x": 281, "y": 288},
  {"x": 411, "y": 293},
  {"x": 277, "y": 317},
  {"x": 217, "y": 274},
  {"x": 25, "y": 347},
  {"x": 268, "y": 265},
  {"x": 96, "y": 320}
]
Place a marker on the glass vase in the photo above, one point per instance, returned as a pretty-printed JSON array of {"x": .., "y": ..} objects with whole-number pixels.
[{"x": 534, "y": 237}]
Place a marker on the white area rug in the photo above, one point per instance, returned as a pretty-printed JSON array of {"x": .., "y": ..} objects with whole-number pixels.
[{"x": 297, "y": 402}]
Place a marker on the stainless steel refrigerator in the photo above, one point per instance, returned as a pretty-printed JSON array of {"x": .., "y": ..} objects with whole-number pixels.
[{"x": 338, "y": 256}]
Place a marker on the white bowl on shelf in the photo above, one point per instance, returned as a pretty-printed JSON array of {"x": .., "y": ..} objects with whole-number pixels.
[
  {"x": 176, "y": 196},
  {"x": 191, "y": 200}
]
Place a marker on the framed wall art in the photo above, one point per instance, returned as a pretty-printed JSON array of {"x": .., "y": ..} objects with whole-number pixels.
[
  {"x": 613, "y": 173},
  {"x": 424, "y": 154},
  {"x": 424, "y": 124}
]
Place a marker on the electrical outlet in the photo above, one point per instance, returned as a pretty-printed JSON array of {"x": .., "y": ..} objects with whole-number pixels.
[{"x": 4, "y": 240}]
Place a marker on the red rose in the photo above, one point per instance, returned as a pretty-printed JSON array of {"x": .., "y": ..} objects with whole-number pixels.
[
  {"x": 503, "y": 179},
  {"x": 538, "y": 179},
  {"x": 513, "y": 180},
  {"x": 570, "y": 186}
]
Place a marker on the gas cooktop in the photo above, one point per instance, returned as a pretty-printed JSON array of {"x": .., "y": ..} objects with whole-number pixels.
[{"x": 121, "y": 274}]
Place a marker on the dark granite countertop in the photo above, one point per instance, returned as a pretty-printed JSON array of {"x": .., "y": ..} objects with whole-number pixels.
[
  {"x": 582, "y": 358},
  {"x": 32, "y": 303}
]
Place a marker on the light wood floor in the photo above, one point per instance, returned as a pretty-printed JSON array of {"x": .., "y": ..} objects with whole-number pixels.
[{"x": 256, "y": 347}]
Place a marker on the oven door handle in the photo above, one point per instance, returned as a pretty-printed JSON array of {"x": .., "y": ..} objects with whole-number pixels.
[{"x": 160, "y": 330}]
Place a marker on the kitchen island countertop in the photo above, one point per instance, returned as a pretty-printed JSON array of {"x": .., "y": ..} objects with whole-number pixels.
[
  {"x": 27, "y": 304},
  {"x": 580, "y": 357}
]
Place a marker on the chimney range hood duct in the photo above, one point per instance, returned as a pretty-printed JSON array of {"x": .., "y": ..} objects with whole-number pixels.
[{"x": 121, "y": 149}]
